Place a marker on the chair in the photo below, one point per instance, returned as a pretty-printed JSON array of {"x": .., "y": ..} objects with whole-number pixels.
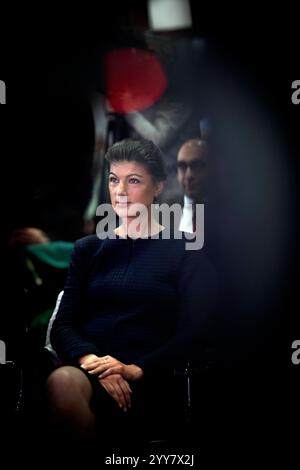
[{"x": 48, "y": 346}]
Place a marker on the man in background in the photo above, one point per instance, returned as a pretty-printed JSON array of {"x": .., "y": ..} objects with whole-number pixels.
[{"x": 192, "y": 175}]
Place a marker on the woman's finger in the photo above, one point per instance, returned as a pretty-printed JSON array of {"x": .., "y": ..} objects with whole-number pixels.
[
  {"x": 109, "y": 387},
  {"x": 99, "y": 362},
  {"x": 126, "y": 392},
  {"x": 110, "y": 371},
  {"x": 97, "y": 370},
  {"x": 118, "y": 394}
]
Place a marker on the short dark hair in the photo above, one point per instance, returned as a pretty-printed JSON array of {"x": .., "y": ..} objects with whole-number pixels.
[{"x": 141, "y": 151}]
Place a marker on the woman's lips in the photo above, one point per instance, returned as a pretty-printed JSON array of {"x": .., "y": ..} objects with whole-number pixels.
[{"x": 122, "y": 205}]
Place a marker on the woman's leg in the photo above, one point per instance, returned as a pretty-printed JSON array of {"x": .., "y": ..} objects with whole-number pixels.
[{"x": 69, "y": 394}]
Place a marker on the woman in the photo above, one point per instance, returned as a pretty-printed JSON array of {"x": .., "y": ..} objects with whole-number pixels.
[{"x": 132, "y": 304}]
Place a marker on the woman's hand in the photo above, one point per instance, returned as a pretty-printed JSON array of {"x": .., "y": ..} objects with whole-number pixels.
[
  {"x": 87, "y": 359},
  {"x": 118, "y": 389},
  {"x": 114, "y": 384},
  {"x": 129, "y": 372},
  {"x": 28, "y": 236},
  {"x": 96, "y": 364},
  {"x": 108, "y": 365}
]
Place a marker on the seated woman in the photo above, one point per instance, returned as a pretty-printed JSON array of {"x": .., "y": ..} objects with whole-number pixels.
[{"x": 135, "y": 303}]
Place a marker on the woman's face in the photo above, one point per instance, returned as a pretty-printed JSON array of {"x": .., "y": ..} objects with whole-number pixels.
[{"x": 131, "y": 183}]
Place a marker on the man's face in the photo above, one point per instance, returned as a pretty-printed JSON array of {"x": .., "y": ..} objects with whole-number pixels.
[{"x": 192, "y": 170}]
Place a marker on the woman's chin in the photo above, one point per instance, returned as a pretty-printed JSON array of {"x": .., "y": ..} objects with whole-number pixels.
[{"x": 126, "y": 212}]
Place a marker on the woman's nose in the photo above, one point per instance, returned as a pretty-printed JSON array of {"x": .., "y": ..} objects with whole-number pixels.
[{"x": 121, "y": 188}]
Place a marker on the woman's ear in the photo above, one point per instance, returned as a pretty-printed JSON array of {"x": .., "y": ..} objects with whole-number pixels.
[{"x": 159, "y": 187}]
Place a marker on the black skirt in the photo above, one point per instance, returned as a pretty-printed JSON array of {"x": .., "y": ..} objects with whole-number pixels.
[{"x": 154, "y": 402}]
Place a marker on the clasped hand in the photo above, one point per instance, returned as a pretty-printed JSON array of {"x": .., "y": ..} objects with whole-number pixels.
[{"x": 113, "y": 375}]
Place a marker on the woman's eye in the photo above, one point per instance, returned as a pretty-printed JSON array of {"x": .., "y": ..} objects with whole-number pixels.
[
  {"x": 113, "y": 179},
  {"x": 134, "y": 181}
]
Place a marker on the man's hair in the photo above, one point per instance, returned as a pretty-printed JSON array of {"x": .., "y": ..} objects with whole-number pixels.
[
  {"x": 141, "y": 151},
  {"x": 195, "y": 144}
]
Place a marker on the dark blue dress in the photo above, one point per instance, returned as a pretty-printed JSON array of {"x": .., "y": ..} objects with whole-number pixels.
[
  {"x": 147, "y": 301},
  {"x": 143, "y": 301}
]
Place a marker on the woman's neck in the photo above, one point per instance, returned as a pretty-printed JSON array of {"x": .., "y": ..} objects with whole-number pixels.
[{"x": 135, "y": 228}]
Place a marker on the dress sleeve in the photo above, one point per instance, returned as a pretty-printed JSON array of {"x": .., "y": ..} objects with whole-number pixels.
[
  {"x": 65, "y": 336},
  {"x": 196, "y": 284}
]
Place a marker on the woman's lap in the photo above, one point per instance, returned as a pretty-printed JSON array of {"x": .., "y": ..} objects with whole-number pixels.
[{"x": 152, "y": 408}]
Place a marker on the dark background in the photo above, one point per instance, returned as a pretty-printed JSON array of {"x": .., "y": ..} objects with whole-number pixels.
[{"x": 49, "y": 66}]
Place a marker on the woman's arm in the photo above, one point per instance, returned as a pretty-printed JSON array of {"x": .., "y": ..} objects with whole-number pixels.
[{"x": 65, "y": 337}]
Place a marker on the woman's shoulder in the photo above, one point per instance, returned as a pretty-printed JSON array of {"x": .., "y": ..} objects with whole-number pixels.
[
  {"x": 182, "y": 240},
  {"x": 89, "y": 242},
  {"x": 87, "y": 249}
]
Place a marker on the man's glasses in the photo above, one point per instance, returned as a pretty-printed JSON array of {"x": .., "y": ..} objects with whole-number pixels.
[{"x": 195, "y": 165}]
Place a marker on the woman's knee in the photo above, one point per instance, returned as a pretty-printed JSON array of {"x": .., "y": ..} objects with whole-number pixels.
[{"x": 67, "y": 385}]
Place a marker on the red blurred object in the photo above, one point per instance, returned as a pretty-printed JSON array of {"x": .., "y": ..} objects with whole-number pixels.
[{"x": 134, "y": 78}]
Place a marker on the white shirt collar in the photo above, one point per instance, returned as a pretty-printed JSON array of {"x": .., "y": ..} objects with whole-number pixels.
[{"x": 186, "y": 222}]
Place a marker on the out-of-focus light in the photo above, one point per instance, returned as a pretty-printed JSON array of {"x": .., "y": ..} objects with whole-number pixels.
[
  {"x": 167, "y": 15},
  {"x": 134, "y": 78}
]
